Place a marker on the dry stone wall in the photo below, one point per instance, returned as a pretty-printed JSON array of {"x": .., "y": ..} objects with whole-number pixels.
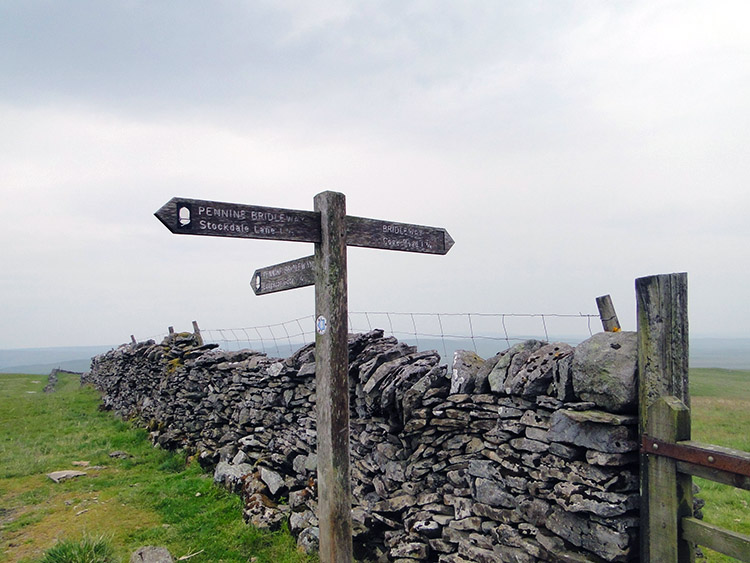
[{"x": 526, "y": 456}]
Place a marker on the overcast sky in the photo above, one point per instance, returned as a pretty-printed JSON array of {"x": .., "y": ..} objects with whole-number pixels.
[{"x": 568, "y": 147}]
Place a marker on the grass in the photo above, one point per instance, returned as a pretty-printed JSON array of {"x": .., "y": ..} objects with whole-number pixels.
[
  {"x": 720, "y": 413},
  {"x": 151, "y": 498},
  {"x": 156, "y": 498},
  {"x": 86, "y": 550}
]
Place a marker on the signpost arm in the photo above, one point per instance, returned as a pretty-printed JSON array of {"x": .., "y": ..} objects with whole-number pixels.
[{"x": 332, "y": 385}]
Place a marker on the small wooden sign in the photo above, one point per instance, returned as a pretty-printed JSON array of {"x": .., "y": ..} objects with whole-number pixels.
[
  {"x": 287, "y": 275},
  {"x": 387, "y": 235}
]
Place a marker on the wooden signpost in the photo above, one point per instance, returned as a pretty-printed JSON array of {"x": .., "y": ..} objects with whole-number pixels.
[
  {"x": 288, "y": 275},
  {"x": 332, "y": 231}
]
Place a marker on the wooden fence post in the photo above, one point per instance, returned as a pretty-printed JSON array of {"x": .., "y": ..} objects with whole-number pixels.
[
  {"x": 670, "y": 494},
  {"x": 197, "y": 333},
  {"x": 332, "y": 381},
  {"x": 661, "y": 303},
  {"x": 607, "y": 314}
]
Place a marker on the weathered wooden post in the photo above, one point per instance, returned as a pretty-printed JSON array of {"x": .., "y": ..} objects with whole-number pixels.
[
  {"x": 661, "y": 303},
  {"x": 669, "y": 493},
  {"x": 607, "y": 314},
  {"x": 332, "y": 381},
  {"x": 331, "y": 230},
  {"x": 197, "y": 333}
]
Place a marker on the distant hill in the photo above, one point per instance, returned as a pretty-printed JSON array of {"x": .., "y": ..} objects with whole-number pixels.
[
  {"x": 44, "y": 360},
  {"x": 727, "y": 353}
]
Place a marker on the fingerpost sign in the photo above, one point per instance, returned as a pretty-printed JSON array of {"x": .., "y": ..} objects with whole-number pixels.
[{"x": 331, "y": 230}]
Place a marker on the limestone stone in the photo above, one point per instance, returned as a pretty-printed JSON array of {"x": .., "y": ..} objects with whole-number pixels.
[
  {"x": 616, "y": 479},
  {"x": 564, "y": 451},
  {"x": 461, "y": 506},
  {"x": 534, "y": 510},
  {"x": 273, "y": 480},
  {"x": 538, "y": 434},
  {"x": 453, "y": 558},
  {"x": 441, "y": 546},
  {"x": 577, "y": 498},
  {"x": 602, "y": 437},
  {"x": 481, "y": 381},
  {"x": 64, "y": 475},
  {"x": 488, "y": 492},
  {"x": 471, "y": 523},
  {"x": 536, "y": 418},
  {"x": 600, "y": 458},
  {"x": 527, "y": 445},
  {"x": 395, "y": 504},
  {"x": 602, "y": 417},
  {"x": 604, "y": 371},
  {"x": 509, "y": 362},
  {"x": 479, "y": 555},
  {"x": 309, "y": 540},
  {"x": 298, "y": 464},
  {"x": 562, "y": 378},
  {"x": 601, "y": 540},
  {"x": 151, "y": 554},
  {"x": 231, "y": 476},
  {"x": 411, "y": 550},
  {"x": 484, "y": 469},
  {"x": 556, "y": 550},
  {"x": 466, "y": 364},
  {"x": 486, "y": 511},
  {"x": 427, "y": 528},
  {"x": 535, "y": 375},
  {"x": 311, "y": 463}
]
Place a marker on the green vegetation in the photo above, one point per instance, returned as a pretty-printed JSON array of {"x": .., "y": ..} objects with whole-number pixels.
[
  {"x": 152, "y": 497},
  {"x": 87, "y": 550},
  {"x": 156, "y": 498},
  {"x": 720, "y": 403}
]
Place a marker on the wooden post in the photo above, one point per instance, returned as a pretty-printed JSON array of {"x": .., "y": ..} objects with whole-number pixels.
[
  {"x": 661, "y": 303},
  {"x": 607, "y": 314},
  {"x": 171, "y": 330},
  {"x": 197, "y": 333},
  {"x": 133, "y": 340},
  {"x": 662, "y": 340},
  {"x": 332, "y": 381},
  {"x": 670, "y": 494}
]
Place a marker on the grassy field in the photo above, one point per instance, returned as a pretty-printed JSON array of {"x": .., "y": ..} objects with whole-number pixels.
[
  {"x": 720, "y": 403},
  {"x": 156, "y": 498},
  {"x": 152, "y": 497}
]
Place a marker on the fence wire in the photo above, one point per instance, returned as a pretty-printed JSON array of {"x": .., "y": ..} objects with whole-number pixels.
[
  {"x": 484, "y": 333},
  {"x": 280, "y": 338}
]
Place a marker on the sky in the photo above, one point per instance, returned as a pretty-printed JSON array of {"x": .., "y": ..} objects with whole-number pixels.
[{"x": 568, "y": 147}]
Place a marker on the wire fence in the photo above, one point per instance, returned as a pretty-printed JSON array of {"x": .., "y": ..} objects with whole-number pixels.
[{"x": 484, "y": 333}]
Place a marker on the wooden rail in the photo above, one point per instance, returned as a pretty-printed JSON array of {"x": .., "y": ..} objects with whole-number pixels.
[{"x": 724, "y": 541}]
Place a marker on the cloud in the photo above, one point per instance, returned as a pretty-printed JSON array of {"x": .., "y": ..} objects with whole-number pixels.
[{"x": 567, "y": 148}]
